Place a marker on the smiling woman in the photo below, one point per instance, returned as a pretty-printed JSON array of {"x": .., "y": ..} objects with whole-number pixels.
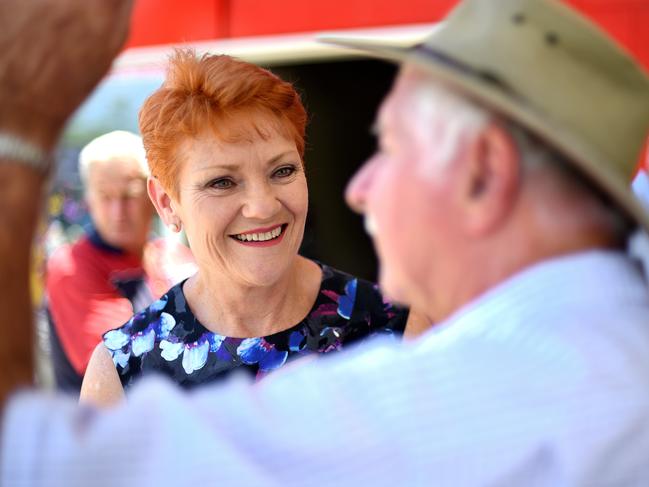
[{"x": 225, "y": 145}]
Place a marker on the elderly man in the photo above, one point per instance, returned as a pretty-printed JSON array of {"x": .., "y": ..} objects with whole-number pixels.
[
  {"x": 98, "y": 282},
  {"x": 499, "y": 202}
]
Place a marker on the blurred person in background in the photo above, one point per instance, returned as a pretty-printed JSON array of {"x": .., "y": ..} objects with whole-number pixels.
[
  {"x": 225, "y": 144},
  {"x": 499, "y": 200},
  {"x": 115, "y": 269}
]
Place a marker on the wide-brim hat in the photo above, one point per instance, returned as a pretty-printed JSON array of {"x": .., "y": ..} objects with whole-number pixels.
[{"x": 544, "y": 66}]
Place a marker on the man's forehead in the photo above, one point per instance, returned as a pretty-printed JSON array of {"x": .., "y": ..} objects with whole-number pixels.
[
  {"x": 116, "y": 177},
  {"x": 118, "y": 188},
  {"x": 116, "y": 169},
  {"x": 417, "y": 97},
  {"x": 404, "y": 99}
]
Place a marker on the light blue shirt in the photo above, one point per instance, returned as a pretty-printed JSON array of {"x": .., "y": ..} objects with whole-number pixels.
[
  {"x": 542, "y": 381},
  {"x": 640, "y": 186}
]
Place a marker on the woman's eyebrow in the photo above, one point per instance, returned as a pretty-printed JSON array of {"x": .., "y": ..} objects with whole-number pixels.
[
  {"x": 225, "y": 166},
  {"x": 276, "y": 158},
  {"x": 235, "y": 166}
]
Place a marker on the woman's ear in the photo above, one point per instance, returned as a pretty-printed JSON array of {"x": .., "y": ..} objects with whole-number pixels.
[
  {"x": 492, "y": 180},
  {"x": 162, "y": 201}
]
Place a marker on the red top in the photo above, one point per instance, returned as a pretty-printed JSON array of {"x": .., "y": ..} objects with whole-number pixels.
[{"x": 92, "y": 288}]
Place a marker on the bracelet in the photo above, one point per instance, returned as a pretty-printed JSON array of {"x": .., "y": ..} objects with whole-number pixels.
[{"x": 17, "y": 149}]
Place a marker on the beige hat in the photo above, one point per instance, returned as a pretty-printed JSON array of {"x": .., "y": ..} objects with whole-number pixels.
[{"x": 546, "y": 67}]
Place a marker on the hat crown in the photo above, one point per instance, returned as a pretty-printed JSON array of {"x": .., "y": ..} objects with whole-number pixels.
[
  {"x": 545, "y": 67},
  {"x": 559, "y": 65}
]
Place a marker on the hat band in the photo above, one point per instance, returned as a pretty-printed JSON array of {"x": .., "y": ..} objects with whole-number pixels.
[{"x": 487, "y": 76}]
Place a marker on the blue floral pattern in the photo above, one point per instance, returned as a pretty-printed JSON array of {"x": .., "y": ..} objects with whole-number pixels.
[
  {"x": 259, "y": 351},
  {"x": 167, "y": 338}
]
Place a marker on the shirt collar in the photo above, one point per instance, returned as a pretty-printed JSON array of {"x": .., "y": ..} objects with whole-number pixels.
[
  {"x": 99, "y": 242},
  {"x": 597, "y": 277}
]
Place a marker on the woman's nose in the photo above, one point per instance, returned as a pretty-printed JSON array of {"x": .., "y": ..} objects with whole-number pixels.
[{"x": 261, "y": 203}]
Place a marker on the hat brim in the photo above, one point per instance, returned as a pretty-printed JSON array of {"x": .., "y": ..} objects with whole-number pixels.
[{"x": 588, "y": 161}]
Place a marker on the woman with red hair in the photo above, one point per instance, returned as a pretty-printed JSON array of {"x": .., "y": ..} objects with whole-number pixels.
[{"x": 225, "y": 144}]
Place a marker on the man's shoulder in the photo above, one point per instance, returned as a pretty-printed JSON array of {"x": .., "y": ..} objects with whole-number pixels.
[
  {"x": 76, "y": 261},
  {"x": 65, "y": 256},
  {"x": 560, "y": 327}
]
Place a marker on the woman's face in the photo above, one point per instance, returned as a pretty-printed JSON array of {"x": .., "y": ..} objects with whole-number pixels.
[{"x": 243, "y": 205}]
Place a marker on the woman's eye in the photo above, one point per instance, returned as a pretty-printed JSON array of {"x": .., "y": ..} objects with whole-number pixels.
[
  {"x": 284, "y": 172},
  {"x": 222, "y": 183}
]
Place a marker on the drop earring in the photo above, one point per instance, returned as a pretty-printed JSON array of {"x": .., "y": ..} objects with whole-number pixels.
[{"x": 174, "y": 227}]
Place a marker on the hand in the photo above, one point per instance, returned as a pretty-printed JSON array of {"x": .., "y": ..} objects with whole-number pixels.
[{"x": 52, "y": 54}]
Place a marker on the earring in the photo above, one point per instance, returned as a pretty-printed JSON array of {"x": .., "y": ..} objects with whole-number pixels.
[{"x": 174, "y": 227}]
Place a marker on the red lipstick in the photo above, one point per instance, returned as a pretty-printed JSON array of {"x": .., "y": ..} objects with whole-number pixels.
[{"x": 264, "y": 243}]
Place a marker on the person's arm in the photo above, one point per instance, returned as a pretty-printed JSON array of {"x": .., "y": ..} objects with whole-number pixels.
[
  {"x": 101, "y": 385},
  {"x": 329, "y": 423},
  {"x": 52, "y": 54},
  {"x": 382, "y": 414},
  {"x": 20, "y": 188}
]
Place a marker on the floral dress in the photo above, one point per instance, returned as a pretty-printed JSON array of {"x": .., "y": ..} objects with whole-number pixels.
[{"x": 166, "y": 337}]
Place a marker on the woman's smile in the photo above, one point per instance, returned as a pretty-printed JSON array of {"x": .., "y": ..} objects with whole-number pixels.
[
  {"x": 243, "y": 204},
  {"x": 261, "y": 237}
]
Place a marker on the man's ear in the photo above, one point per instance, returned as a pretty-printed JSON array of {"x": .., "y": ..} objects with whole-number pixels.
[
  {"x": 491, "y": 181},
  {"x": 161, "y": 201}
]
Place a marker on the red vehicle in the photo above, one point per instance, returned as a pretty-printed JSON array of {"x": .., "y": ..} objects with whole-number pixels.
[
  {"x": 173, "y": 21},
  {"x": 341, "y": 91}
]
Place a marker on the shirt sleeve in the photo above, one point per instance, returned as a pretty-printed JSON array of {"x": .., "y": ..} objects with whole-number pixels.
[
  {"x": 236, "y": 433},
  {"x": 378, "y": 416}
]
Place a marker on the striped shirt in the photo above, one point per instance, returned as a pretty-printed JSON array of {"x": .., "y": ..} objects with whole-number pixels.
[{"x": 541, "y": 381}]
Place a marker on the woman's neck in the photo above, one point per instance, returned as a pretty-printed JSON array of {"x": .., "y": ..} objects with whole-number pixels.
[{"x": 231, "y": 308}]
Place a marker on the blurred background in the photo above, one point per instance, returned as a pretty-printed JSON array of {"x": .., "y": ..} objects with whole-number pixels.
[{"x": 341, "y": 91}]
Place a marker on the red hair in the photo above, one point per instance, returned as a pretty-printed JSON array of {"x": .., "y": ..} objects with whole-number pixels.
[{"x": 214, "y": 91}]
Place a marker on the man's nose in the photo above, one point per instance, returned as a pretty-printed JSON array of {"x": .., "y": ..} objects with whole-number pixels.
[
  {"x": 358, "y": 186},
  {"x": 261, "y": 203},
  {"x": 117, "y": 207}
]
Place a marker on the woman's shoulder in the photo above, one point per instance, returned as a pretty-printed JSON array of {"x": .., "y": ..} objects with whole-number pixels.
[
  {"x": 154, "y": 323},
  {"x": 333, "y": 277},
  {"x": 337, "y": 281},
  {"x": 361, "y": 299}
]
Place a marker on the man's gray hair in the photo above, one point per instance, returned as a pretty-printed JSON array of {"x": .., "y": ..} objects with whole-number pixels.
[
  {"x": 461, "y": 118},
  {"x": 466, "y": 117},
  {"x": 118, "y": 144}
]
